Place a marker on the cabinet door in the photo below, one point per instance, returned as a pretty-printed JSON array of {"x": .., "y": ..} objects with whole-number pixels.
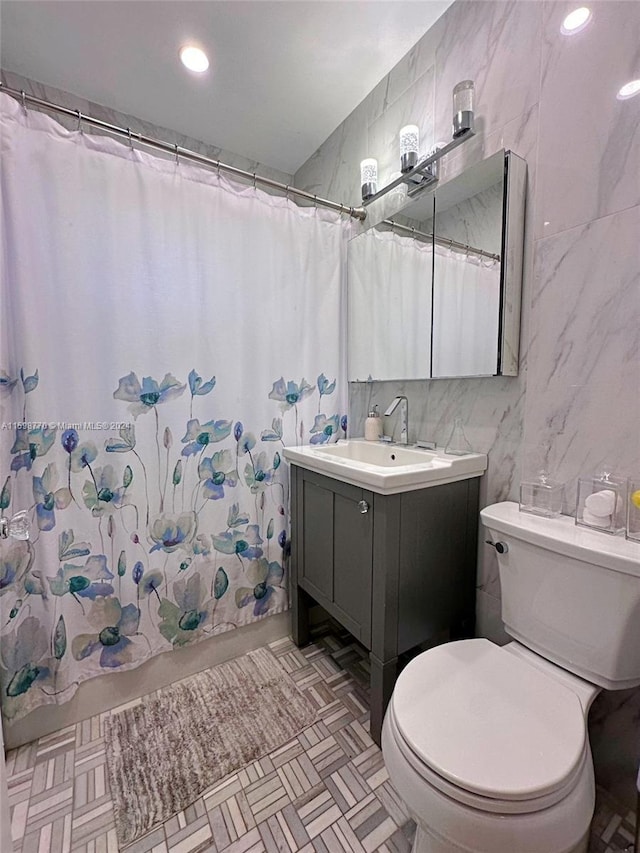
[
  {"x": 437, "y": 561},
  {"x": 336, "y": 550},
  {"x": 317, "y": 537},
  {"x": 353, "y": 563}
]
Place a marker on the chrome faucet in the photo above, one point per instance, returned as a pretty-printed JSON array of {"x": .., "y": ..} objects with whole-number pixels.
[{"x": 404, "y": 417}]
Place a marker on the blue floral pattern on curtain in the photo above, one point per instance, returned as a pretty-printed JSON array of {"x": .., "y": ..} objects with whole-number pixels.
[{"x": 149, "y": 568}]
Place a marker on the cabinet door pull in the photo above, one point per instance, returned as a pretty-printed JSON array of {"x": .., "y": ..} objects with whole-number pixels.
[{"x": 363, "y": 506}]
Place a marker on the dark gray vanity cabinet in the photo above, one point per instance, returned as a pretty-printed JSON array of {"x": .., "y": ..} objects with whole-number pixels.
[
  {"x": 397, "y": 571},
  {"x": 333, "y": 549}
]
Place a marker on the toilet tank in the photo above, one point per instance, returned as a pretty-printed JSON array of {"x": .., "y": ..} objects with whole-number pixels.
[{"x": 569, "y": 593}]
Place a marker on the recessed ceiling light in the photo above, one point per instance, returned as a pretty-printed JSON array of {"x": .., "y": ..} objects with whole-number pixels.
[
  {"x": 194, "y": 58},
  {"x": 575, "y": 21},
  {"x": 629, "y": 90}
]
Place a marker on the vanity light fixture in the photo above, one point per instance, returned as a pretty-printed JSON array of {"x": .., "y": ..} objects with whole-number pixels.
[
  {"x": 462, "y": 108},
  {"x": 409, "y": 145},
  {"x": 575, "y": 21},
  {"x": 629, "y": 90},
  {"x": 416, "y": 172},
  {"x": 369, "y": 177},
  {"x": 194, "y": 58},
  {"x": 401, "y": 187}
]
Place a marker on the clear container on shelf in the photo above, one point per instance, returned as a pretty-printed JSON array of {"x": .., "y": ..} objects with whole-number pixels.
[
  {"x": 458, "y": 444},
  {"x": 633, "y": 510},
  {"x": 542, "y": 496},
  {"x": 601, "y": 503}
]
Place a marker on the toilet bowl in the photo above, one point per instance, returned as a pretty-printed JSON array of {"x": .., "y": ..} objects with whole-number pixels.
[
  {"x": 515, "y": 778},
  {"x": 488, "y": 745}
]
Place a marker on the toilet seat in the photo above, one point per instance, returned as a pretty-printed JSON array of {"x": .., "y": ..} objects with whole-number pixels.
[
  {"x": 493, "y": 805},
  {"x": 489, "y": 729}
]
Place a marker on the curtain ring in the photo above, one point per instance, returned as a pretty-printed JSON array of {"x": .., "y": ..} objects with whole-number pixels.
[
  {"x": 23, "y": 98},
  {"x": 218, "y": 167},
  {"x": 130, "y": 138},
  {"x": 286, "y": 192},
  {"x": 254, "y": 180},
  {"x": 175, "y": 148},
  {"x": 79, "y": 127},
  {"x": 315, "y": 201}
]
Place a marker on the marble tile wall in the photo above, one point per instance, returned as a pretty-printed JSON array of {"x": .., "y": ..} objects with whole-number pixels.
[{"x": 551, "y": 98}]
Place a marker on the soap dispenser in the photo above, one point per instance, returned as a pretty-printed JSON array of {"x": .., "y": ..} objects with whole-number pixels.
[{"x": 373, "y": 425}]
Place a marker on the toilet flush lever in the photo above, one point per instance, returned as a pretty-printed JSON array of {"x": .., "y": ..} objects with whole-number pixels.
[
  {"x": 501, "y": 547},
  {"x": 363, "y": 506}
]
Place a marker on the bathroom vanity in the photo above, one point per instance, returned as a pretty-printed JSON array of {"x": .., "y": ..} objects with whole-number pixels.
[{"x": 387, "y": 547}]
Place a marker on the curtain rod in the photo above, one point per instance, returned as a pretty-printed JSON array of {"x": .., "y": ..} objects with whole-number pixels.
[
  {"x": 442, "y": 241},
  {"x": 355, "y": 212}
]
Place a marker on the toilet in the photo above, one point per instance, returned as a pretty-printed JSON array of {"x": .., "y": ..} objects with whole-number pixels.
[{"x": 488, "y": 745}]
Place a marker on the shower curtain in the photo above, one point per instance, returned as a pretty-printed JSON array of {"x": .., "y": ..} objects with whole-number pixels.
[{"x": 163, "y": 335}]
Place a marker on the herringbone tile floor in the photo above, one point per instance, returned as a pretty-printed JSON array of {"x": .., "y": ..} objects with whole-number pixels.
[{"x": 326, "y": 791}]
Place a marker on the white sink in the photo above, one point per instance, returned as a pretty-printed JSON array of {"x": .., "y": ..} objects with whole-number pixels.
[
  {"x": 386, "y": 468},
  {"x": 378, "y": 453}
]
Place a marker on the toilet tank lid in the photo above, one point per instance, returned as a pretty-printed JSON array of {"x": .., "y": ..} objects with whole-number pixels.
[{"x": 563, "y": 536}]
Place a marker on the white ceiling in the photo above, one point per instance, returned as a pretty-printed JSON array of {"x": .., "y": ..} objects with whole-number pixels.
[{"x": 283, "y": 75}]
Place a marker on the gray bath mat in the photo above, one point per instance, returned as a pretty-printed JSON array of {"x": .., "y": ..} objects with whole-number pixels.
[{"x": 164, "y": 753}]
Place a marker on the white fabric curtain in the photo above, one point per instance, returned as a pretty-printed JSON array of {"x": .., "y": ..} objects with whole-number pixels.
[
  {"x": 466, "y": 304},
  {"x": 163, "y": 334},
  {"x": 389, "y": 283}
]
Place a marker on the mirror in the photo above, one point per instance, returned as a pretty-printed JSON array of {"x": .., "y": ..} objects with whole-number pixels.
[{"x": 435, "y": 292}]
